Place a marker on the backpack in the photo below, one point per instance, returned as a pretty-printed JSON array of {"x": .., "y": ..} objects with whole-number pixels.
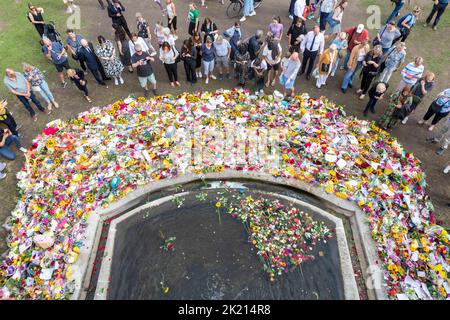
[{"x": 399, "y": 23}]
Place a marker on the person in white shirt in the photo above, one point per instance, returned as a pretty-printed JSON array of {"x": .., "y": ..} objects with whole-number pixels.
[
  {"x": 299, "y": 9},
  {"x": 312, "y": 44},
  {"x": 259, "y": 67},
  {"x": 289, "y": 74},
  {"x": 135, "y": 39},
  {"x": 272, "y": 54}
]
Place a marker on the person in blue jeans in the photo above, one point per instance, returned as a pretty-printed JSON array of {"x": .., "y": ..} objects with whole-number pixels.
[
  {"x": 6, "y": 138},
  {"x": 355, "y": 63},
  {"x": 395, "y": 13},
  {"x": 20, "y": 87}
]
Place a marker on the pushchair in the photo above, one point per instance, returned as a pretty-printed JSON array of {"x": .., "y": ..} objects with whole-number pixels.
[{"x": 51, "y": 33}]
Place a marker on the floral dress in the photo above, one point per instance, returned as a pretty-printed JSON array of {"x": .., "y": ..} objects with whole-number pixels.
[{"x": 113, "y": 68}]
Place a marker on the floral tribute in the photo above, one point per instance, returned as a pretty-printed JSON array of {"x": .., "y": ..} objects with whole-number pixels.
[
  {"x": 81, "y": 165},
  {"x": 284, "y": 237}
]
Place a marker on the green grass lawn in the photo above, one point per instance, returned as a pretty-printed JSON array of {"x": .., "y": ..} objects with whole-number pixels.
[{"x": 19, "y": 40}]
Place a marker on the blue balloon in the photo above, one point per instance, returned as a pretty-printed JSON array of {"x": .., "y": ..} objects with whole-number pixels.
[{"x": 114, "y": 183}]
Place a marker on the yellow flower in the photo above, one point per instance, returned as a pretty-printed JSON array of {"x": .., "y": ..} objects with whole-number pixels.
[
  {"x": 218, "y": 204},
  {"x": 50, "y": 143},
  {"x": 90, "y": 197}
]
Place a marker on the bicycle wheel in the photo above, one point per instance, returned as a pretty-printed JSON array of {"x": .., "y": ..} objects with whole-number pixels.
[
  {"x": 257, "y": 3},
  {"x": 233, "y": 9}
]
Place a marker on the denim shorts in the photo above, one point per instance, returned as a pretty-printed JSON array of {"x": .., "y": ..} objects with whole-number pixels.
[{"x": 287, "y": 85}]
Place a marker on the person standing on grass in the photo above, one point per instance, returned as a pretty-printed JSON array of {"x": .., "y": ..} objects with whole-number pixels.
[
  {"x": 197, "y": 41},
  {"x": 392, "y": 61},
  {"x": 326, "y": 9},
  {"x": 223, "y": 51},
  {"x": 144, "y": 30},
  {"x": 56, "y": 53},
  {"x": 341, "y": 44},
  {"x": 399, "y": 103},
  {"x": 386, "y": 36},
  {"x": 259, "y": 67},
  {"x": 440, "y": 108},
  {"x": 141, "y": 61},
  {"x": 355, "y": 63},
  {"x": 396, "y": 12},
  {"x": 35, "y": 15},
  {"x": 272, "y": 53},
  {"x": 422, "y": 87},
  {"x": 411, "y": 73},
  {"x": 369, "y": 71},
  {"x": 115, "y": 12},
  {"x": 442, "y": 136},
  {"x": 168, "y": 55},
  {"x": 289, "y": 74},
  {"x": 123, "y": 48},
  {"x": 193, "y": 19},
  {"x": 376, "y": 93},
  {"x": 326, "y": 64},
  {"x": 77, "y": 78},
  {"x": 355, "y": 36},
  {"x": 439, "y": 7},
  {"x": 110, "y": 62},
  {"x": 189, "y": 57},
  {"x": 171, "y": 17},
  {"x": 73, "y": 45},
  {"x": 406, "y": 23},
  {"x": 295, "y": 34},
  {"x": 249, "y": 10},
  {"x": 311, "y": 46},
  {"x": 18, "y": 85},
  {"x": 38, "y": 84},
  {"x": 87, "y": 54},
  {"x": 6, "y": 139},
  {"x": 208, "y": 55},
  {"x": 7, "y": 119}
]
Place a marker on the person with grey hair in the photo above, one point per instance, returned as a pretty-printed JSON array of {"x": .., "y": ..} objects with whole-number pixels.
[
  {"x": 391, "y": 61},
  {"x": 370, "y": 68},
  {"x": 223, "y": 50},
  {"x": 38, "y": 84}
]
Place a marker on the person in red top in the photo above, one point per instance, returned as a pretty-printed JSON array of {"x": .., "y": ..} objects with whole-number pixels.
[{"x": 355, "y": 36}]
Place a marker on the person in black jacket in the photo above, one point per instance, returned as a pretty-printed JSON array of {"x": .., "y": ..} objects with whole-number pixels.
[
  {"x": 115, "y": 12},
  {"x": 87, "y": 54},
  {"x": 77, "y": 78},
  {"x": 189, "y": 57}
]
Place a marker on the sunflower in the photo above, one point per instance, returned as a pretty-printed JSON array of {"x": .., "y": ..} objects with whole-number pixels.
[
  {"x": 89, "y": 197},
  {"x": 50, "y": 143}
]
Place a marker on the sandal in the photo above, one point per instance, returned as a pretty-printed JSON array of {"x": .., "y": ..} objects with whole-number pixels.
[
  {"x": 88, "y": 99},
  {"x": 273, "y": 83},
  {"x": 35, "y": 118}
]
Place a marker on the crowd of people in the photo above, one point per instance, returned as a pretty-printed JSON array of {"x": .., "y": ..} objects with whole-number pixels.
[{"x": 258, "y": 62}]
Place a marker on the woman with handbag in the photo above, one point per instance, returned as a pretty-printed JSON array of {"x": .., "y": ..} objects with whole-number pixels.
[
  {"x": 392, "y": 61},
  {"x": 355, "y": 63},
  {"x": 419, "y": 90},
  {"x": 209, "y": 29},
  {"x": 370, "y": 70},
  {"x": 38, "y": 84},
  {"x": 326, "y": 64},
  {"x": 189, "y": 57},
  {"x": 397, "y": 108},
  {"x": 169, "y": 56},
  {"x": 335, "y": 19},
  {"x": 385, "y": 37}
]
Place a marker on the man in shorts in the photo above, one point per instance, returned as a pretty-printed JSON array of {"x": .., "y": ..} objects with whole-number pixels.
[
  {"x": 56, "y": 53},
  {"x": 141, "y": 61},
  {"x": 223, "y": 51}
]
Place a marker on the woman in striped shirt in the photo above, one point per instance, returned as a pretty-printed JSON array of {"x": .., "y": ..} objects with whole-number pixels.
[{"x": 411, "y": 73}]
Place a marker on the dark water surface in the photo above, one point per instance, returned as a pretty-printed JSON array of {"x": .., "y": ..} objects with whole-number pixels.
[{"x": 211, "y": 260}]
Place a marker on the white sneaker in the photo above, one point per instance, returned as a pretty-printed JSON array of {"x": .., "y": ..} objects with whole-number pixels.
[
  {"x": 243, "y": 19},
  {"x": 213, "y": 77},
  {"x": 291, "y": 17},
  {"x": 116, "y": 82},
  {"x": 121, "y": 80},
  {"x": 2, "y": 175},
  {"x": 23, "y": 149},
  {"x": 199, "y": 75},
  {"x": 2, "y": 166},
  {"x": 207, "y": 80},
  {"x": 252, "y": 13},
  {"x": 447, "y": 169},
  {"x": 404, "y": 121}
]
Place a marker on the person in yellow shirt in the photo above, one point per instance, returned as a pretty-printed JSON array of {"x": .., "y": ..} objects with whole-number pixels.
[{"x": 7, "y": 118}]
